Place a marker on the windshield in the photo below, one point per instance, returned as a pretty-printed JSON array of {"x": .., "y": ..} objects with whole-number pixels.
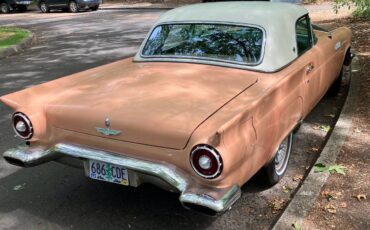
[{"x": 230, "y": 43}]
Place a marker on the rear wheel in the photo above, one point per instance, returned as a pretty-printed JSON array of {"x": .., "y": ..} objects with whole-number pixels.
[
  {"x": 275, "y": 170},
  {"x": 4, "y": 8},
  {"x": 73, "y": 7},
  {"x": 43, "y": 7}
]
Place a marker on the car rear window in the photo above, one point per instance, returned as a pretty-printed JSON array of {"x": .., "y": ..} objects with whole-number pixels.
[{"x": 231, "y": 43}]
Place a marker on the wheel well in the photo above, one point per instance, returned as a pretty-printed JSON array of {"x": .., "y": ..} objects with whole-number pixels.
[
  {"x": 347, "y": 57},
  {"x": 348, "y": 49},
  {"x": 42, "y": 1}
]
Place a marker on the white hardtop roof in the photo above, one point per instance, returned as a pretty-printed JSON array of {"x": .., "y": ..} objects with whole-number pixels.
[{"x": 278, "y": 21}]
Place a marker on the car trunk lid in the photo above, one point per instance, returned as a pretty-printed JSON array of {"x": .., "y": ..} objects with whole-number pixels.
[{"x": 158, "y": 104}]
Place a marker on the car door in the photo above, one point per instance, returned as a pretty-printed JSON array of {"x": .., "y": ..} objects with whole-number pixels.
[
  {"x": 57, "y": 3},
  {"x": 311, "y": 58}
]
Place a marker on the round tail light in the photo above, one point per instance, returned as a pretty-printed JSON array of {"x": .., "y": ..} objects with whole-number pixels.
[
  {"x": 22, "y": 126},
  {"x": 206, "y": 161}
]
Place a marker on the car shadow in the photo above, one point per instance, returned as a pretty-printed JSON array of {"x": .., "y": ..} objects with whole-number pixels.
[{"x": 62, "y": 195}]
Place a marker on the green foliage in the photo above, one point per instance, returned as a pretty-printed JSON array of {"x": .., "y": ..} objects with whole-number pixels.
[
  {"x": 296, "y": 226},
  {"x": 310, "y": 1},
  {"x": 11, "y": 36},
  {"x": 340, "y": 169},
  {"x": 362, "y": 7}
]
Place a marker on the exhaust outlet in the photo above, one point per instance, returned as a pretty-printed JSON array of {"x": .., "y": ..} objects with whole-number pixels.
[
  {"x": 201, "y": 209},
  {"x": 14, "y": 161}
]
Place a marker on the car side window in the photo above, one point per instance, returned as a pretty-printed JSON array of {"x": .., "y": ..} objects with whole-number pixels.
[{"x": 303, "y": 35}]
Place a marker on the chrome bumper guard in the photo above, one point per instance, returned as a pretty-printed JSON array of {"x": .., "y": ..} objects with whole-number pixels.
[{"x": 194, "y": 196}]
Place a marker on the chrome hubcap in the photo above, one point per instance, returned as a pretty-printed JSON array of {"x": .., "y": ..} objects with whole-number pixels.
[
  {"x": 73, "y": 7},
  {"x": 43, "y": 7},
  {"x": 282, "y": 155},
  {"x": 4, "y": 8}
]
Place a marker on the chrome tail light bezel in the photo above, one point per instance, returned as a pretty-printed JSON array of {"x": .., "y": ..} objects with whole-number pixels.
[
  {"x": 18, "y": 116},
  {"x": 216, "y": 157}
]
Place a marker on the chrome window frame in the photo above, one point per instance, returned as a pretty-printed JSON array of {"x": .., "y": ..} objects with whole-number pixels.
[{"x": 307, "y": 18}]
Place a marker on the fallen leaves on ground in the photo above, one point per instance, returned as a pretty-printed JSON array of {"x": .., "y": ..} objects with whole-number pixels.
[
  {"x": 315, "y": 149},
  {"x": 287, "y": 189},
  {"x": 320, "y": 167},
  {"x": 312, "y": 149},
  {"x": 277, "y": 205},
  {"x": 361, "y": 197},
  {"x": 247, "y": 210},
  {"x": 296, "y": 226},
  {"x": 19, "y": 187},
  {"x": 330, "y": 115},
  {"x": 330, "y": 195},
  {"x": 325, "y": 128},
  {"x": 343, "y": 205},
  {"x": 357, "y": 130},
  {"x": 298, "y": 178},
  {"x": 330, "y": 208}
]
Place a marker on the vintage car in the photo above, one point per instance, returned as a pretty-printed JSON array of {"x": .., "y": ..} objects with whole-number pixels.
[
  {"x": 73, "y": 6},
  {"x": 7, "y": 6},
  {"x": 211, "y": 98}
]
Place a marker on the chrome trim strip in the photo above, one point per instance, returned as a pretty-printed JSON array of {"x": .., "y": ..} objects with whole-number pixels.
[
  {"x": 215, "y": 199},
  {"x": 170, "y": 175},
  {"x": 172, "y": 58}
]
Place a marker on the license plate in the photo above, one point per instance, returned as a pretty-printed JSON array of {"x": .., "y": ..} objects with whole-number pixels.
[{"x": 108, "y": 172}]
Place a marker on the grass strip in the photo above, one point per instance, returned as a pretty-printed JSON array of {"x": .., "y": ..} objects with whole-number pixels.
[{"x": 11, "y": 36}]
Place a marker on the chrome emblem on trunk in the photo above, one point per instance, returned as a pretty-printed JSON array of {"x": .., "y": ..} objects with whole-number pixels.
[
  {"x": 107, "y": 122},
  {"x": 107, "y": 131}
]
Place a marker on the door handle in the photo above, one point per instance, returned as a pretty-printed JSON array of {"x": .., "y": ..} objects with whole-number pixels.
[{"x": 309, "y": 68}]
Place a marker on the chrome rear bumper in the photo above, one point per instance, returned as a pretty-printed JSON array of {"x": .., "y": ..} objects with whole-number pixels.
[{"x": 193, "y": 195}]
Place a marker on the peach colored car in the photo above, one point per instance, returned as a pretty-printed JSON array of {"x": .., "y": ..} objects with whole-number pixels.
[{"x": 211, "y": 98}]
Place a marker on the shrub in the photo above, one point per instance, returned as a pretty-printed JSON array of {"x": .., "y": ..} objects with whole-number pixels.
[{"x": 362, "y": 7}]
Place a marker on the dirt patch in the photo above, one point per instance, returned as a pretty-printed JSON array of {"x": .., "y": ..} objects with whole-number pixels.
[
  {"x": 6, "y": 35},
  {"x": 344, "y": 200},
  {"x": 325, "y": 11}
]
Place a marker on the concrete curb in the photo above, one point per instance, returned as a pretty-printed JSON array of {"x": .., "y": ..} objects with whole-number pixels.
[
  {"x": 17, "y": 48},
  {"x": 304, "y": 199}
]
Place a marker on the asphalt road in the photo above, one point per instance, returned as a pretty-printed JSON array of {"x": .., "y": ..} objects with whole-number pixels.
[{"x": 54, "y": 196}]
